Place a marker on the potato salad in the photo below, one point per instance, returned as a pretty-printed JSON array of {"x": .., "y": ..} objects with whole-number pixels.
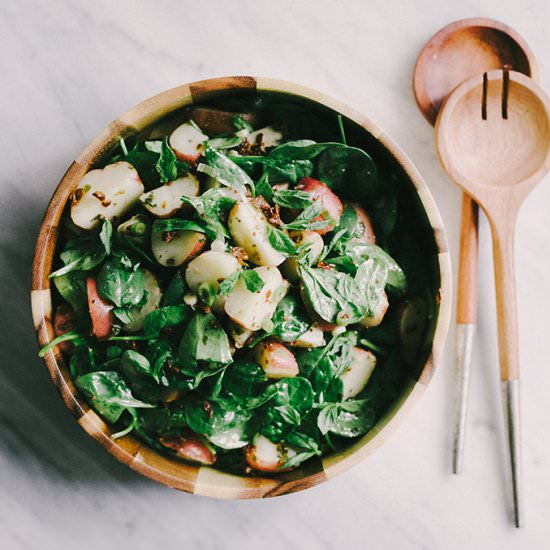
[{"x": 226, "y": 291}]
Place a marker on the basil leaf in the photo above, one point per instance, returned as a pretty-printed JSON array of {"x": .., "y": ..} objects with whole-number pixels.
[
  {"x": 71, "y": 336},
  {"x": 80, "y": 254},
  {"x": 224, "y": 142},
  {"x": 263, "y": 188},
  {"x": 227, "y": 285},
  {"x": 292, "y": 198},
  {"x": 121, "y": 282},
  {"x": 108, "y": 394},
  {"x": 347, "y": 419},
  {"x": 72, "y": 288},
  {"x": 253, "y": 281},
  {"x": 280, "y": 241}
]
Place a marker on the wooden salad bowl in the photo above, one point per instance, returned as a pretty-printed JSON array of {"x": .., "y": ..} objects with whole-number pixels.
[{"x": 203, "y": 480}]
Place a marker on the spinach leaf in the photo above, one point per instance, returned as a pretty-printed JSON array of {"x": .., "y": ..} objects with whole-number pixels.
[
  {"x": 144, "y": 160},
  {"x": 292, "y": 198},
  {"x": 349, "y": 168},
  {"x": 72, "y": 288},
  {"x": 204, "y": 341},
  {"x": 251, "y": 279},
  {"x": 108, "y": 394},
  {"x": 226, "y": 426},
  {"x": 306, "y": 447},
  {"x": 168, "y": 166},
  {"x": 348, "y": 418},
  {"x": 121, "y": 282},
  {"x": 244, "y": 380},
  {"x": 224, "y": 170},
  {"x": 335, "y": 296},
  {"x": 354, "y": 253},
  {"x": 280, "y": 241},
  {"x": 289, "y": 320},
  {"x": 263, "y": 187},
  {"x": 133, "y": 363},
  {"x": 292, "y": 399},
  {"x": 224, "y": 142},
  {"x": 163, "y": 317},
  {"x": 106, "y": 236},
  {"x": 313, "y": 217},
  {"x": 241, "y": 124},
  {"x": 178, "y": 224},
  {"x": 80, "y": 254},
  {"x": 71, "y": 336},
  {"x": 173, "y": 295}
]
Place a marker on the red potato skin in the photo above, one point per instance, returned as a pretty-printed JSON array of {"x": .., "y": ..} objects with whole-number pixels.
[
  {"x": 101, "y": 312},
  {"x": 319, "y": 191},
  {"x": 253, "y": 462},
  {"x": 64, "y": 321},
  {"x": 368, "y": 232},
  {"x": 191, "y": 447},
  {"x": 276, "y": 360}
]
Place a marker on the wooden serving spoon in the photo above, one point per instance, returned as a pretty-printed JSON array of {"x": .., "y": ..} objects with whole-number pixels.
[
  {"x": 458, "y": 51},
  {"x": 493, "y": 139}
]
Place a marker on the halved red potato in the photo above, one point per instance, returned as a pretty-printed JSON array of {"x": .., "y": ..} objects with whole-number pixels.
[
  {"x": 367, "y": 234},
  {"x": 152, "y": 302},
  {"x": 190, "y": 446},
  {"x": 312, "y": 338},
  {"x": 64, "y": 321},
  {"x": 211, "y": 267},
  {"x": 214, "y": 121},
  {"x": 248, "y": 227},
  {"x": 105, "y": 194},
  {"x": 187, "y": 142},
  {"x": 101, "y": 312},
  {"x": 289, "y": 267},
  {"x": 355, "y": 378},
  {"x": 165, "y": 201},
  {"x": 173, "y": 248},
  {"x": 265, "y": 456},
  {"x": 331, "y": 203},
  {"x": 251, "y": 309},
  {"x": 413, "y": 320},
  {"x": 276, "y": 360},
  {"x": 378, "y": 316}
]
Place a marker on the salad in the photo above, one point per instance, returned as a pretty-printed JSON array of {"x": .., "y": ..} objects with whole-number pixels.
[{"x": 226, "y": 289}]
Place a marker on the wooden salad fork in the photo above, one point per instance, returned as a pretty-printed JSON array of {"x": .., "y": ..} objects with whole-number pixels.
[{"x": 493, "y": 140}]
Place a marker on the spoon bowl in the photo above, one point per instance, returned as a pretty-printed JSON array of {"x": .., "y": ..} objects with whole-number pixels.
[{"x": 491, "y": 153}]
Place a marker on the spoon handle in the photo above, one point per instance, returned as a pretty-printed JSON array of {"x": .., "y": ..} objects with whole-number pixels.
[
  {"x": 466, "y": 317},
  {"x": 503, "y": 252}
]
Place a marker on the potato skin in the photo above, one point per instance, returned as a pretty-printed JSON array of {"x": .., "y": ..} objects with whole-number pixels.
[
  {"x": 191, "y": 447},
  {"x": 265, "y": 456},
  {"x": 101, "y": 312},
  {"x": 276, "y": 360},
  {"x": 355, "y": 378},
  {"x": 174, "y": 248},
  {"x": 368, "y": 234}
]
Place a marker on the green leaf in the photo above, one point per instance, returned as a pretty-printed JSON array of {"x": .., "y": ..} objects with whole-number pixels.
[
  {"x": 178, "y": 224},
  {"x": 263, "y": 188},
  {"x": 280, "y": 241},
  {"x": 289, "y": 320},
  {"x": 173, "y": 295},
  {"x": 224, "y": 142},
  {"x": 121, "y": 282},
  {"x": 292, "y": 198},
  {"x": 227, "y": 285},
  {"x": 240, "y": 124},
  {"x": 132, "y": 363},
  {"x": 108, "y": 394},
  {"x": 72, "y": 288},
  {"x": 106, "y": 236},
  {"x": 163, "y": 317},
  {"x": 71, "y": 336},
  {"x": 252, "y": 280},
  {"x": 347, "y": 419},
  {"x": 168, "y": 166},
  {"x": 204, "y": 341},
  {"x": 80, "y": 254},
  {"x": 226, "y": 171},
  {"x": 207, "y": 292},
  {"x": 313, "y": 217}
]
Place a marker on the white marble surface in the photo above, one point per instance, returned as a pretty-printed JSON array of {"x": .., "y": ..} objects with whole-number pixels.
[{"x": 66, "y": 69}]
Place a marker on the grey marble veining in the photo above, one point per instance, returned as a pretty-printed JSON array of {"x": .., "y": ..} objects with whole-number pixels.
[{"x": 66, "y": 69}]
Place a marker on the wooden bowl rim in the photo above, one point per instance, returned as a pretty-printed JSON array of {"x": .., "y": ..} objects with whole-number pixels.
[
  {"x": 423, "y": 98},
  {"x": 129, "y": 450}
]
